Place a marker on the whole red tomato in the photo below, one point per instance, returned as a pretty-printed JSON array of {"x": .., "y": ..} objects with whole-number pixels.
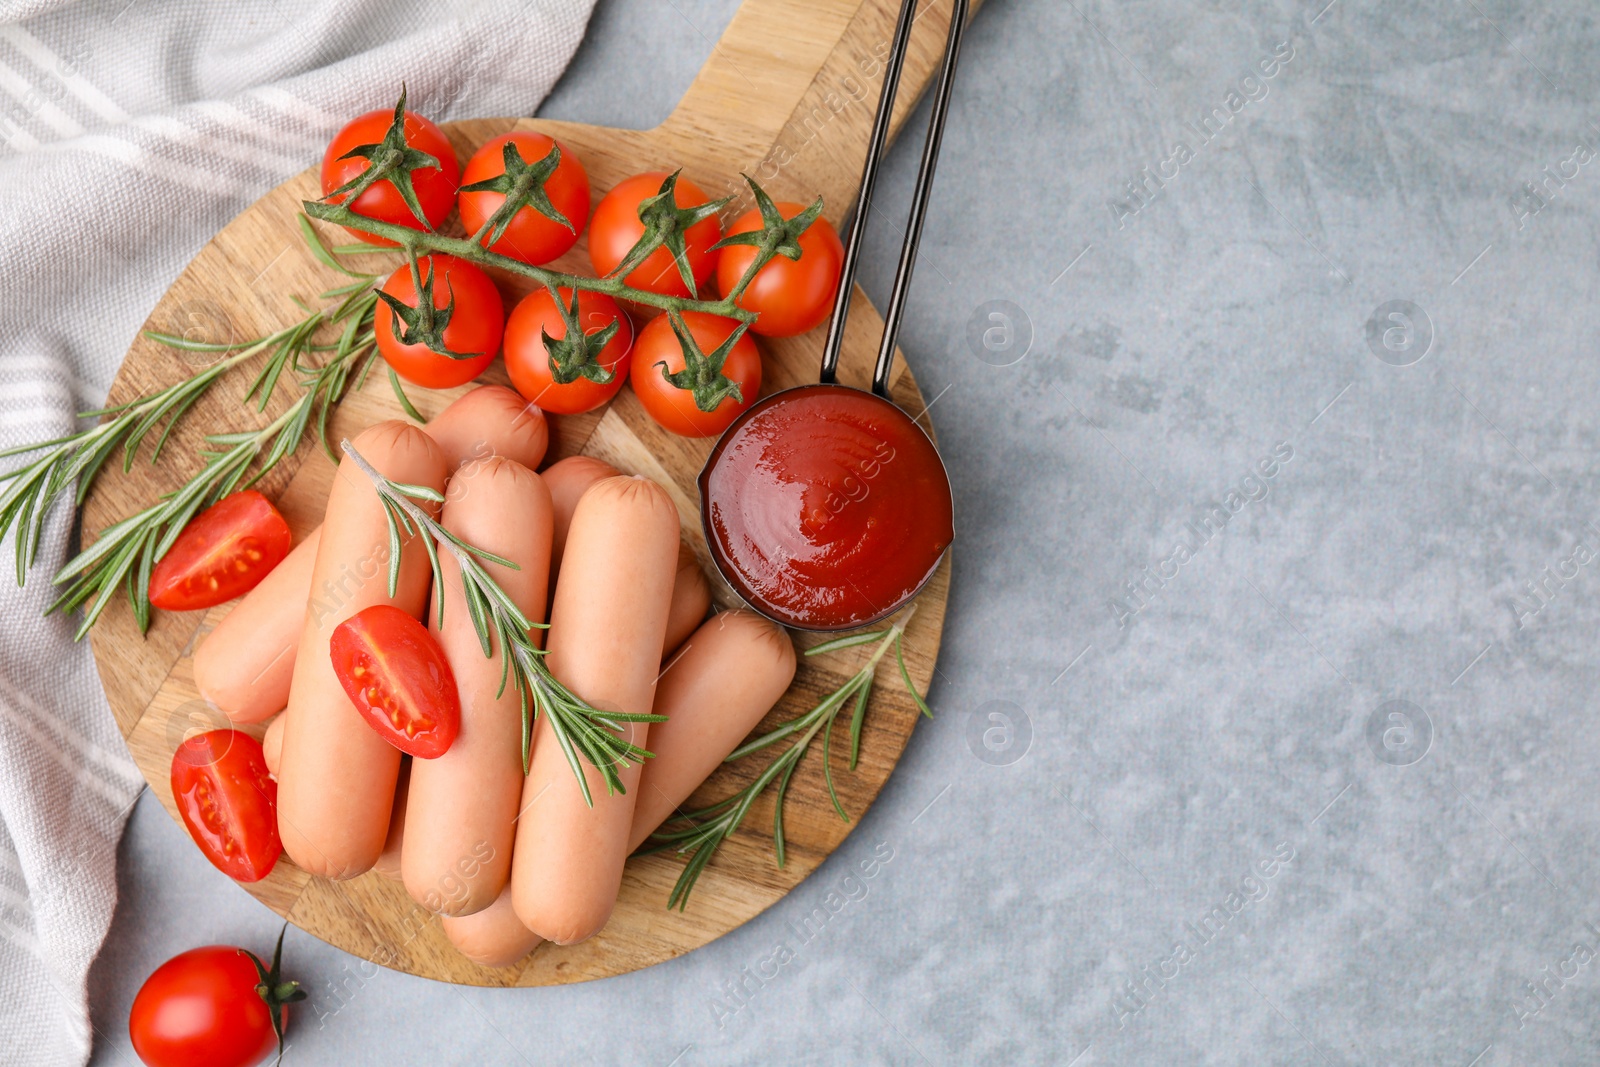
[
  {"x": 530, "y": 236},
  {"x": 476, "y": 324},
  {"x": 435, "y": 186},
  {"x": 222, "y": 553},
  {"x": 674, "y": 408},
  {"x": 229, "y": 802},
  {"x": 396, "y": 675},
  {"x": 528, "y": 361},
  {"x": 790, "y": 296},
  {"x": 616, "y": 229},
  {"x": 211, "y": 1007}
]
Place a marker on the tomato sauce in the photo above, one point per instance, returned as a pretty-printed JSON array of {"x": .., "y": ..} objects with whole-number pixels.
[{"x": 826, "y": 507}]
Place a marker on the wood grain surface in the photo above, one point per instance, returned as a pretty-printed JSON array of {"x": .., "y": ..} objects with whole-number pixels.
[{"x": 787, "y": 97}]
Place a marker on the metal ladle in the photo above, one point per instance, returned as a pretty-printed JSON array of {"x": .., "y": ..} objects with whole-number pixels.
[{"x": 883, "y": 407}]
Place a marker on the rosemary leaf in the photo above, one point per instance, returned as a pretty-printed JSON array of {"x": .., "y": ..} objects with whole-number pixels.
[
  {"x": 394, "y": 547},
  {"x": 778, "y": 843},
  {"x": 905, "y": 676},
  {"x": 827, "y": 769},
  {"x": 405, "y": 401},
  {"x": 856, "y": 720},
  {"x": 845, "y": 642},
  {"x": 320, "y": 250}
]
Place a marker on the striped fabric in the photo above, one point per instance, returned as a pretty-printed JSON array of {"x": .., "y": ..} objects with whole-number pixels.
[{"x": 130, "y": 131}]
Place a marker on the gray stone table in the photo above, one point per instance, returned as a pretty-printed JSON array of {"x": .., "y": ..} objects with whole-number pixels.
[{"x": 1264, "y": 342}]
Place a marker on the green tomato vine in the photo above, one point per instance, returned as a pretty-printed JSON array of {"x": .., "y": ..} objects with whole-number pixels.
[{"x": 523, "y": 186}]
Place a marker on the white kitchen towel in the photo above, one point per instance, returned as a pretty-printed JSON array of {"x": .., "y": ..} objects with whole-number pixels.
[{"x": 130, "y": 132}]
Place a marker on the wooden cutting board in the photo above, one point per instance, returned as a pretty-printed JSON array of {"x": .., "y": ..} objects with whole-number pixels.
[{"x": 788, "y": 97}]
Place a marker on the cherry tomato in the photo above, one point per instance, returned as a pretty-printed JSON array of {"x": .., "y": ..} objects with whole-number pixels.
[
  {"x": 229, "y": 802},
  {"x": 475, "y": 326},
  {"x": 224, "y": 552},
  {"x": 201, "y": 1009},
  {"x": 617, "y": 228},
  {"x": 395, "y": 673},
  {"x": 675, "y": 408},
  {"x": 435, "y": 186},
  {"x": 531, "y": 237},
  {"x": 528, "y": 361},
  {"x": 791, "y": 296}
]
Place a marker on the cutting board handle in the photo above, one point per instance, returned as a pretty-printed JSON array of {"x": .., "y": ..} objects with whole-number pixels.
[{"x": 793, "y": 85}]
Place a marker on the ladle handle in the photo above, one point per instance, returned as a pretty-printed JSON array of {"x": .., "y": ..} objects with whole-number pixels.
[
  {"x": 920, "y": 195},
  {"x": 919, "y": 204}
]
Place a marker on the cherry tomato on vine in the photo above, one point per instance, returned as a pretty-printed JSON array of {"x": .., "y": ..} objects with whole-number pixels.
[
  {"x": 791, "y": 296},
  {"x": 476, "y": 323},
  {"x": 395, "y": 673},
  {"x": 616, "y": 228},
  {"x": 528, "y": 361},
  {"x": 531, "y": 236},
  {"x": 675, "y": 409},
  {"x": 224, "y": 552},
  {"x": 229, "y": 802},
  {"x": 435, "y": 187},
  {"x": 202, "y": 1008}
]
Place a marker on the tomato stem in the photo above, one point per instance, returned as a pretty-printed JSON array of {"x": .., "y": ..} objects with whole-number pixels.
[
  {"x": 418, "y": 242},
  {"x": 391, "y": 159},
  {"x": 576, "y": 354},
  {"x": 272, "y": 989},
  {"x": 522, "y": 185},
  {"x": 702, "y": 371}
]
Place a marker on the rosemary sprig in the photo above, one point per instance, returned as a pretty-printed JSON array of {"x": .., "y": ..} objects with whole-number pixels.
[
  {"x": 580, "y": 730},
  {"x": 706, "y": 829},
  {"x": 126, "y": 551}
]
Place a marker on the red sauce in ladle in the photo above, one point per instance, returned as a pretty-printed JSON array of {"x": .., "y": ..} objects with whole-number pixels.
[{"x": 826, "y": 507}]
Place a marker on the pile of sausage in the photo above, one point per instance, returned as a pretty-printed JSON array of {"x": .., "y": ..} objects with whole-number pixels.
[{"x": 505, "y": 860}]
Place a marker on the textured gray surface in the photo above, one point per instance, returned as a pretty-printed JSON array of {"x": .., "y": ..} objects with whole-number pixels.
[{"x": 1239, "y": 708}]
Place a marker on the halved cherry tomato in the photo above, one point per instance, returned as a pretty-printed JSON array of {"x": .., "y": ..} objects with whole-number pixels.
[
  {"x": 791, "y": 296},
  {"x": 616, "y": 229},
  {"x": 395, "y": 673},
  {"x": 202, "y": 1009},
  {"x": 229, "y": 802},
  {"x": 476, "y": 324},
  {"x": 528, "y": 361},
  {"x": 224, "y": 552},
  {"x": 531, "y": 236},
  {"x": 435, "y": 186},
  {"x": 675, "y": 408}
]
